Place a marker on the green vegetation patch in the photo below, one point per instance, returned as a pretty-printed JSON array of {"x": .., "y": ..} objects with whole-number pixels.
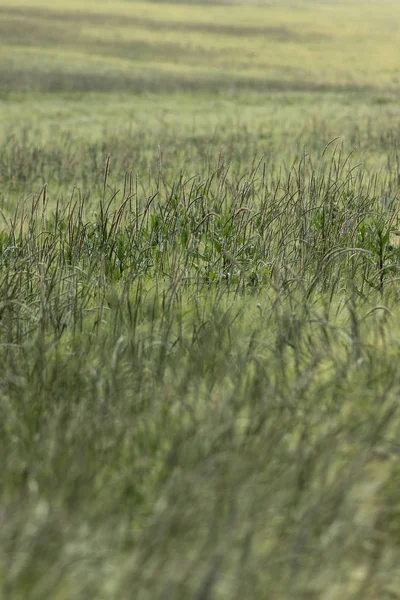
[
  {"x": 199, "y": 300},
  {"x": 199, "y": 387}
]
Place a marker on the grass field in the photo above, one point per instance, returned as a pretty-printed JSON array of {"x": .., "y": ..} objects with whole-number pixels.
[{"x": 199, "y": 300}]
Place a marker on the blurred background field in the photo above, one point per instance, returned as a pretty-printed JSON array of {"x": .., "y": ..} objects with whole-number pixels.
[
  {"x": 247, "y": 79},
  {"x": 157, "y": 47},
  {"x": 199, "y": 300}
]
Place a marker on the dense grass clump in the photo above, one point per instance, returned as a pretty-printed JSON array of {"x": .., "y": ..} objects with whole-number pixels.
[{"x": 199, "y": 387}]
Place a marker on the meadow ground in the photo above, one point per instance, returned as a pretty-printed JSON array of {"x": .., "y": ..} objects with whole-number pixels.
[{"x": 199, "y": 300}]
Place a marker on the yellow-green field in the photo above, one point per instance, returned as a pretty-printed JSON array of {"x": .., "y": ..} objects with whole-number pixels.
[
  {"x": 121, "y": 46},
  {"x": 199, "y": 300},
  {"x": 273, "y": 79}
]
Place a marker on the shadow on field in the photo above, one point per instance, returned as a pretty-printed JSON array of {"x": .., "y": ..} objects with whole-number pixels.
[
  {"x": 48, "y": 17},
  {"x": 28, "y": 80}
]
